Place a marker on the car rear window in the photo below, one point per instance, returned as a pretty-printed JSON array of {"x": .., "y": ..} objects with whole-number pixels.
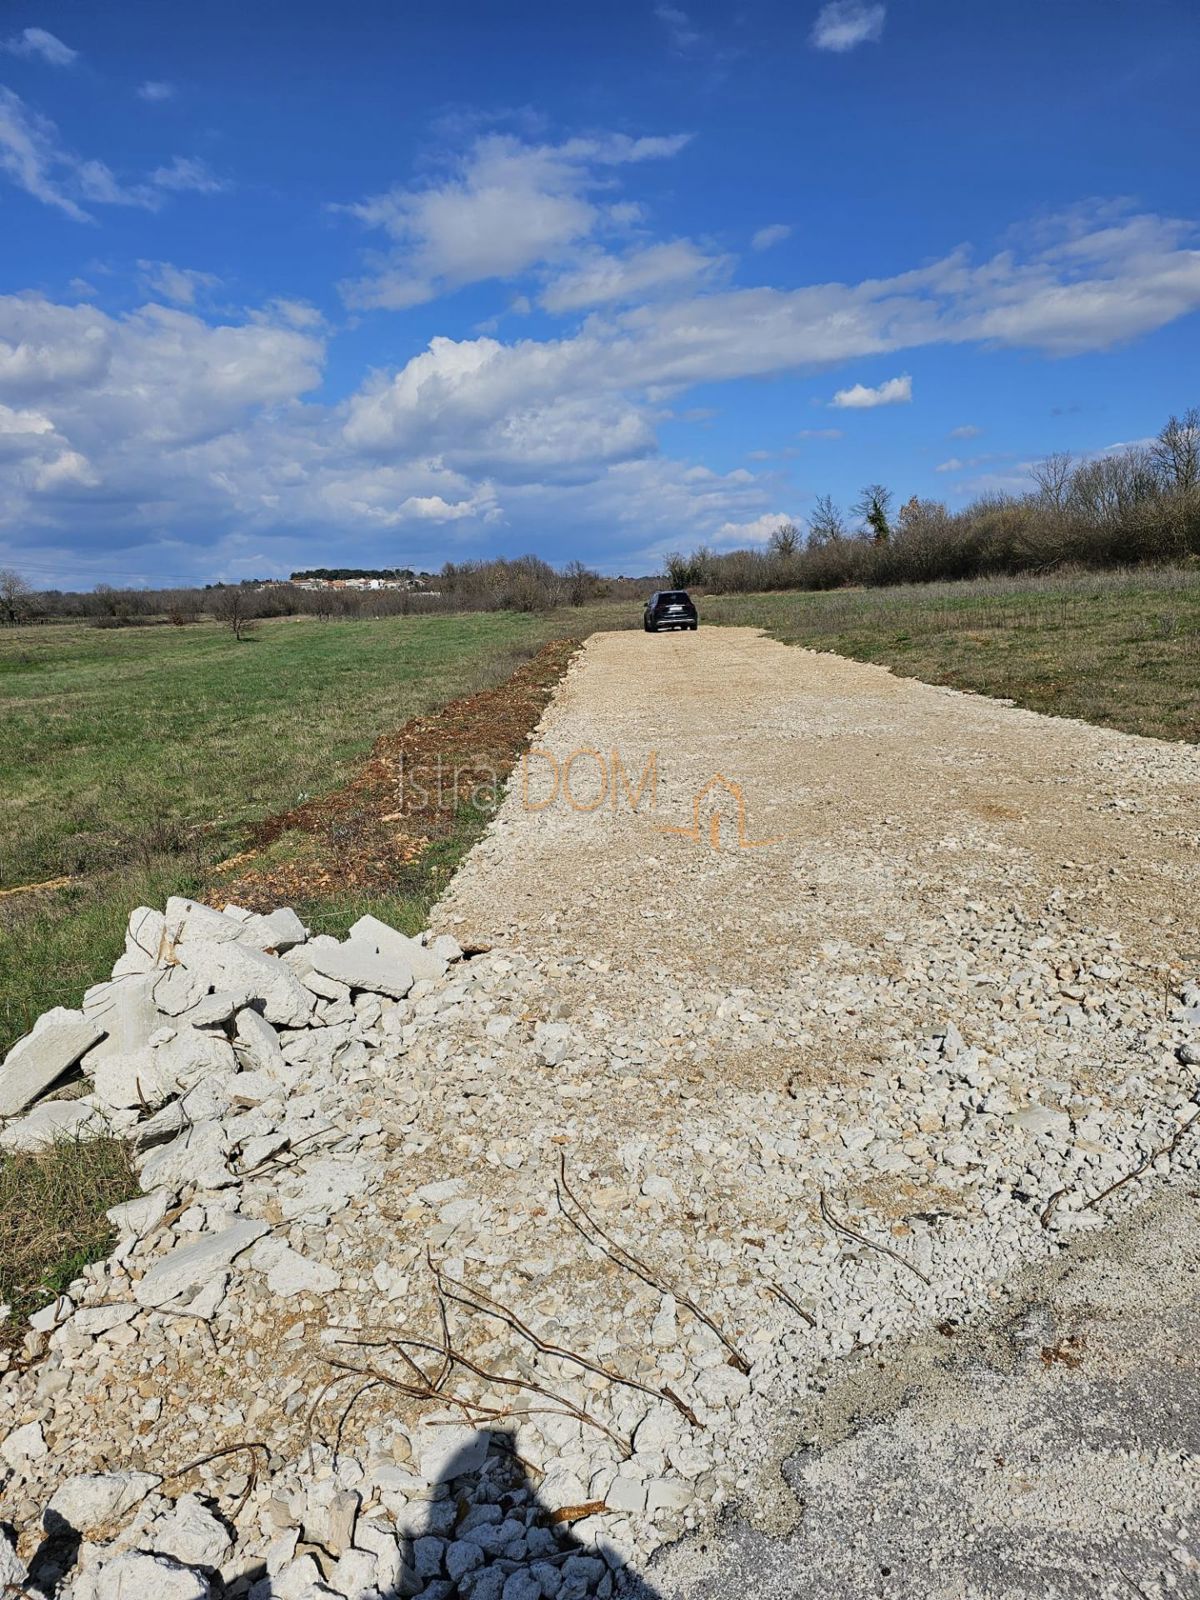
[{"x": 674, "y": 597}]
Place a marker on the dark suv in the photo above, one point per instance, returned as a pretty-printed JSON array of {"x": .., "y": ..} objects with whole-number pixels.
[{"x": 670, "y": 608}]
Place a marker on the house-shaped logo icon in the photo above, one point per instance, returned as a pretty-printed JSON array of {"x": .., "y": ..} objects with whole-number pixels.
[{"x": 718, "y": 784}]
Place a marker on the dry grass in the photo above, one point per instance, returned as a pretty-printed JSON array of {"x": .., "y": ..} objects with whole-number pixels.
[
  {"x": 52, "y": 1221},
  {"x": 1120, "y": 649}
]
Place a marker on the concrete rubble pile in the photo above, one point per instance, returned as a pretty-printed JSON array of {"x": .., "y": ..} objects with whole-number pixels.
[{"x": 367, "y": 1331}]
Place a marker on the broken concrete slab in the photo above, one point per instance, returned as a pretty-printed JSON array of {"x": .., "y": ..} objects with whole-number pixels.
[
  {"x": 54, "y": 1120},
  {"x": 290, "y": 1273},
  {"x": 276, "y": 930},
  {"x": 422, "y": 961},
  {"x": 125, "y": 1008},
  {"x": 192, "y": 919},
  {"x": 187, "y": 1055},
  {"x": 190, "y": 1267},
  {"x": 300, "y": 961},
  {"x": 197, "y": 1156},
  {"x": 162, "y": 1126},
  {"x": 58, "y": 1040},
  {"x": 127, "y": 1082},
  {"x": 146, "y": 943},
  {"x": 223, "y": 965},
  {"x": 216, "y": 1009},
  {"x": 258, "y": 1043},
  {"x": 362, "y": 966},
  {"x": 137, "y": 1217}
]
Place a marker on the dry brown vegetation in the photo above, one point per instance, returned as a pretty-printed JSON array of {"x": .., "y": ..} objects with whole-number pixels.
[{"x": 52, "y": 1218}]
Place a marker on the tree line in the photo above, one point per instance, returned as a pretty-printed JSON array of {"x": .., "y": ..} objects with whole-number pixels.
[
  {"x": 526, "y": 583},
  {"x": 1130, "y": 506}
]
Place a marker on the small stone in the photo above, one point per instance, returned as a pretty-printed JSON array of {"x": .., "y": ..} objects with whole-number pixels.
[
  {"x": 427, "y": 1557},
  {"x": 24, "y": 1445},
  {"x": 452, "y": 1452},
  {"x": 190, "y": 1267},
  {"x": 97, "y": 1499},
  {"x": 627, "y": 1494},
  {"x": 462, "y": 1556},
  {"x": 192, "y": 1535},
  {"x": 293, "y": 1273},
  {"x": 138, "y": 1576},
  {"x": 1043, "y": 1122}
]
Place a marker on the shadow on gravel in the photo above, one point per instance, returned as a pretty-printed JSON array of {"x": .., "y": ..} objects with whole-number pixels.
[
  {"x": 484, "y": 1535},
  {"x": 488, "y": 1537}
]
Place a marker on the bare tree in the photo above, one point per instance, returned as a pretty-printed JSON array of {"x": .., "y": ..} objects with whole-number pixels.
[
  {"x": 1176, "y": 451},
  {"x": 825, "y": 525},
  {"x": 785, "y": 541},
  {"x": 581, "y": 583},
  {"x": 233, "y": 606},
  {"x": 1053, "y": 478},
  {"x": 15, "y": 595}
]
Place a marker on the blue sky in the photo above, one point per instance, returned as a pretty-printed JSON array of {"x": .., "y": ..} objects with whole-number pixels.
[{"x": 288, "y": 284}]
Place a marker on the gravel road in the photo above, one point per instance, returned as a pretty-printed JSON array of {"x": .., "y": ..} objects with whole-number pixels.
[
  {"x": 1016, "y": 890},
  {"x": 891, "y": 807}
]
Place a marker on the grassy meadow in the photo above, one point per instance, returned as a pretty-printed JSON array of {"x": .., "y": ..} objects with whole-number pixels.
[
  {"x": 133, "y": 760},
  {"x": 1121, "y": 649}
]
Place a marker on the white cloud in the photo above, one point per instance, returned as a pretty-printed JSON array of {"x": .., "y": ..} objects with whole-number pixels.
[
  {"x": 165, "y": 420},
  {"x": 67, "y": 470},
  {"x": 953, "y": 465},
  {"x": 844, "y": 24},
  {"x": 518, "y": 411},
  {"x": 774, "y": 233},
  {"x": 16, "y": 424},
  {"x": 681, "y": 30},
  {"x": 37, "y": 42},
  {"x": 602, "y": 279},
  {"x": 186, "y": 173},
  {"x": 894, "y": 391},
  {"x": 741, "y": 535},
  {"x": 156, "y": 89},
  {"x": 29, "y": 157},
  {"x": 34, "y": 159},
  {"x": 179, "y": 285},
  {"x": 505, "y": 207},
  {"x": 821, "y": 433},
  {"x": 967, "y": 431}
]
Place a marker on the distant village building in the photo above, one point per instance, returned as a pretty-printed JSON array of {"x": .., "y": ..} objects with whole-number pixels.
[{"x": 409, "y": 582}]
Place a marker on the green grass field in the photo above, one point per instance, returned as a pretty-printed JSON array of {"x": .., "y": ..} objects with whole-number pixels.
[
  {"x": 1121, "y": 650},
  {"x": 133, "y": 760}
]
